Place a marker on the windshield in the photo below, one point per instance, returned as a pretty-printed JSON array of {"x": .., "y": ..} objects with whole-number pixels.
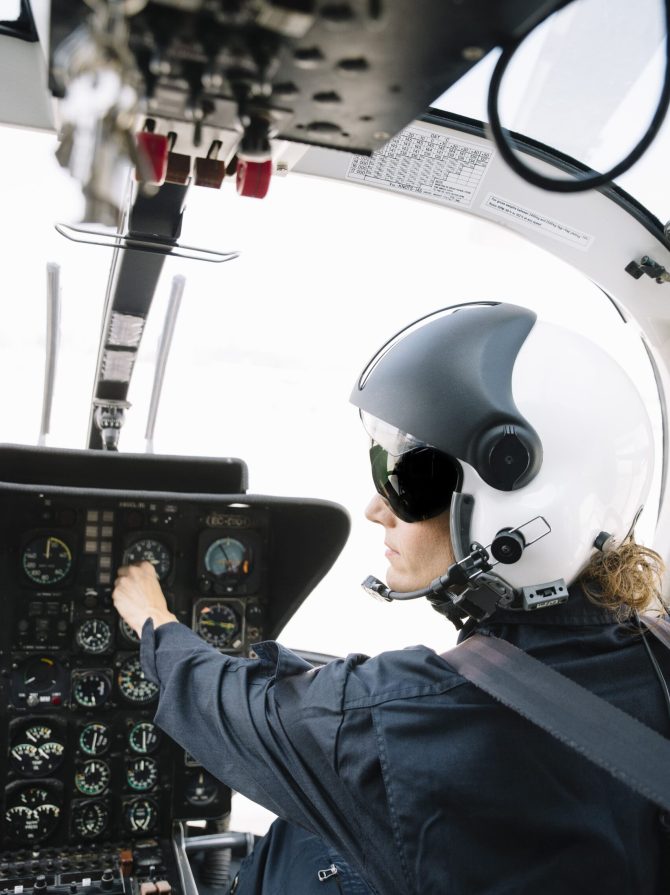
[{"x": 586, "y": 82}]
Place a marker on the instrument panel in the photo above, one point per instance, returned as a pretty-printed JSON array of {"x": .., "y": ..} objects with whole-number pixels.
[{"x": 83, "y": 763}]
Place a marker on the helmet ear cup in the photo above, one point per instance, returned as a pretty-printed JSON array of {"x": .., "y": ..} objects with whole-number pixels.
[{"x": 509, "y": 457}]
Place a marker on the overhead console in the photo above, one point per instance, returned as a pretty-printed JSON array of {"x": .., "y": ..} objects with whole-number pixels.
[{"x": 91, "y": 785}]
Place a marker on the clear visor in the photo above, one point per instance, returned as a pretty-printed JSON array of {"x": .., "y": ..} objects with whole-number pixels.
[{"x": 389, "y": 437}]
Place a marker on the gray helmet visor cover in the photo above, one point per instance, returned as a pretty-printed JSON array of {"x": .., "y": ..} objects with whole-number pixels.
[{"x": 447, "y": 381}]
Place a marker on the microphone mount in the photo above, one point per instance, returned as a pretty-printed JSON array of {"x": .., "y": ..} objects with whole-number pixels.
[{"x": 466, "y": 590}]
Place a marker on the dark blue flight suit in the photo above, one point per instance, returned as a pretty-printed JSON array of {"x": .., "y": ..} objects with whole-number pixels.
[
  {"x": 422, "y": 782},
  {"x": 291, "y": 861}
]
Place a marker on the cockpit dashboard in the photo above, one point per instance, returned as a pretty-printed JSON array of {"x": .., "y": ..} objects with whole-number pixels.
[{"x": 92, "y": 785}]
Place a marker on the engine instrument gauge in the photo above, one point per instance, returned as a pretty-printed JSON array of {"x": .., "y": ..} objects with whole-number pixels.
[
  {"x": 25, "y": 759},
  {"x": 228, "y": 560},
  {"x": 94, "y": 739},
  {"x": 36, "y": 751},
  {"x": 144, "y": 738},
  {"x": 140, "y": 815},
  {"x": 46, "y": 560},
  {"x": 152, "y": 551},
  {"x": 92, "y": 778},
  {"x": 41, "y": 674},
  {"x": 133, "y": 685},
  {"x": 91, "y": 689},
  {"x": 94, "y": 635},
  {"x": 33, "y": 815},
  {"x": 90, "y": 819},
  {"x": 217, "y": 623},
  {"x": 142, "y": 774}
]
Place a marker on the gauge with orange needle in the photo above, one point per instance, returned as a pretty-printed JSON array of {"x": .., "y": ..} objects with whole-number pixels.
[{"x": 228, "y": 560}]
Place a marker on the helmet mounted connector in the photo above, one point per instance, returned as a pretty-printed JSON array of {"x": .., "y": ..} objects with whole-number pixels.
[
  {"x": 508, "y": 545},
  {"x": 542, "y": 596}
]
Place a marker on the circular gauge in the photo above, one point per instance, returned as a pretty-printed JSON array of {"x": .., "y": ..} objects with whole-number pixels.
[
  {"x": 133, "y": 684},
  {"x": 144, "y": 737},
  {"x": 33, "y": 816},
  {"x": 93, "y": 777},
  {"x": 46, "y": 560},
  {"x": 154, "y": 552},
  {"x": 94, "y": 635},
  {"x": 90, "y": 819},
  {"x": 39, "y": 733},
  {"x": 35, "y": 760},
  {"x": 41, "y": 674},
  {"x": 140, "y": 815},
  {"x": 91, "y": 689},
  {"x": 21, "y": 822},
  {"x": 227, "y": 559},
  {"x": 128, "y": 632},
  {"x": 94, "y": 739},
  {"x": 142, "y": 774},
  {"x": 201, "y": 788},
  {"x": 53, "y": 752},
  {"x": 217, "y": 623},
  {"x": 26, "y": 759}
]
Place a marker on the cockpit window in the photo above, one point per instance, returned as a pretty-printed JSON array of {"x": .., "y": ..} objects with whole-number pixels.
[{"x": 587, "y": 83}]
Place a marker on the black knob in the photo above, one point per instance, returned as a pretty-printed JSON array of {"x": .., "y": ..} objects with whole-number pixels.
[
  {"x": 107, "y": 878},
  {"x": 507, "y": 546},
  {"x": 40, "y": 884}
]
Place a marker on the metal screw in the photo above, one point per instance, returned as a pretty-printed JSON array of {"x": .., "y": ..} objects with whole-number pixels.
[{"x": 472, "y": 54}]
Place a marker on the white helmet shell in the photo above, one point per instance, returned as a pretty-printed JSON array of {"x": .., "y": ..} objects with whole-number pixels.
[{"x": 597, "y": 462}]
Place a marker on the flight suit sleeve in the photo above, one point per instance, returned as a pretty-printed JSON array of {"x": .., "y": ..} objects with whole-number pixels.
[{"x": 267, "y": 727}]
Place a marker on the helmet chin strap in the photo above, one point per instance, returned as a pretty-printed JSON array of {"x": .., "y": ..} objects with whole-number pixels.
[{"x": 470, "y": 590}]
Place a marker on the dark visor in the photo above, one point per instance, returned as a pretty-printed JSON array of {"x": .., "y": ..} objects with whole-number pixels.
[{"x": 418, "y": 484}]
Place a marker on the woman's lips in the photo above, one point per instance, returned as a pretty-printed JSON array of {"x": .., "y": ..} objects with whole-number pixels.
[{"x": 390, "y": 552}]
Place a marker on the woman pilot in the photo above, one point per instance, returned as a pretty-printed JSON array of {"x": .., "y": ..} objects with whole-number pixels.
[{"x": 511, "y": 458}]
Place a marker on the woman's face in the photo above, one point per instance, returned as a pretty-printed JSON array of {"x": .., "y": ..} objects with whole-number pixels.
[{"x": 417, "y": 552}]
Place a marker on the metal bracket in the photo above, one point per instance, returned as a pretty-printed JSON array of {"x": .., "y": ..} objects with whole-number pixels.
[
  {"x": 651, "y": 268},
  {"x": 143, "y": 243}
]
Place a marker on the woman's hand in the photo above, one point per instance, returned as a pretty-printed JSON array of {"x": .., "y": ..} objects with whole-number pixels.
[{"x": 138, "y": 596}]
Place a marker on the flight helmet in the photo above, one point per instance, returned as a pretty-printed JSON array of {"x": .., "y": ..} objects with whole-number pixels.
[{"x": 532, "y": 435}]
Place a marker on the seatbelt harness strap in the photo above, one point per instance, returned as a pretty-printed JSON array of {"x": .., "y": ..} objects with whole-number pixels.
[{"x": 632, "y": 752}]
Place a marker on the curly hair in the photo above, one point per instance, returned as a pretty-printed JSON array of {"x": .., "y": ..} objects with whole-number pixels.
[{"x": 625, "y": 578}]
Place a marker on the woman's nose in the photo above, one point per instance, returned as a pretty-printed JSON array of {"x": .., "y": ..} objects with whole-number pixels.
[{"x": 378, "y": 511}]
